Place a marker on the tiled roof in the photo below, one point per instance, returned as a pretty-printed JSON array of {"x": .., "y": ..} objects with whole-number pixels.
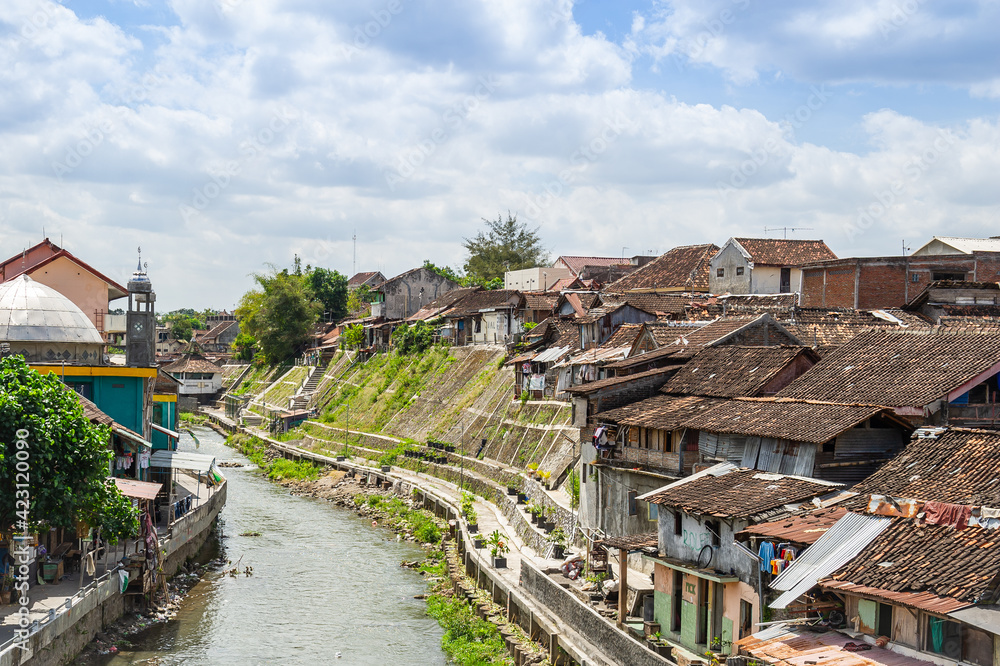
[
  {"x": 780, "y": 418},
  {"x": 192, "y": 363},
  {"x": 785, "y": 251},
  {"x": 662, "y": 412},
  {"x": 730, "y": 371},
  {"x": 759, "y": 302},
  {"x": 988, "y": 289},
  {"x": 681, "y": 268},
  {"x": 576, "y": 264},
  {"x": 361, "y": 278},
  {"x": 440, "y": 304},
  {"x": 657, "y": 355},
  {"x": 534, "y": 300},
  {"x": 963, "y": 310},
  {"x": 800, "y": 527},
  {"x": 215, "y": 331},
  {"x": 738, "y": 494},
  {"x": 557, "y": 332},
  {"x": 824, "y": 327},
  {"x": 484, "y": 299},
  {"x": 591, "y": 387},
  {"x": 897, "y": 368},
  {"x": 957, "y": 565},
  {"x": 624, "y": 336},
  {"x": 92, "y": 411},
  {"x": 649, "y": 540},
  {"x": 565, "y": 283},
  {"x": 659, "y": 304},
  {"x": 968, "y": 325},
  {"x": 961, "y": 466}
]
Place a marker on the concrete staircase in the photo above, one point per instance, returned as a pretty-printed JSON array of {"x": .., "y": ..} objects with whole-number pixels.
[{"x": 305, "y": 394}]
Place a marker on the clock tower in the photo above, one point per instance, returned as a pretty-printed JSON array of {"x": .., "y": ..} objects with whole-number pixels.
[{"x": 140, "y": 320}]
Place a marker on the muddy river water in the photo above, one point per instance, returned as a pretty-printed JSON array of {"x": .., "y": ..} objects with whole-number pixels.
[{"x": 326, "y": 587}]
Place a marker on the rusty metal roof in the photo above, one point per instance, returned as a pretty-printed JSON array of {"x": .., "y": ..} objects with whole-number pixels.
[
  {"x": 785, "y": 645},
  {"x": 801, "y": 528},
  {"x": 593, "y": 387}
]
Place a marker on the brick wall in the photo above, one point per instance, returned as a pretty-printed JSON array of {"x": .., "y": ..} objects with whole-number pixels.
[{"x": 887, "y": 282}]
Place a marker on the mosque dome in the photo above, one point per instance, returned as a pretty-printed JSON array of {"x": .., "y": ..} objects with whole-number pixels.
[{"x": 43, "y": 325}]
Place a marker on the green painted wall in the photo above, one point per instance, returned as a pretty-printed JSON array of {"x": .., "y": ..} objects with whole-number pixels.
[
  {"x": 164, "y": 414},
  {"x": 119, "y": 397},
  {"x": 689, "y": 624},
  {"x": 661, "y": 610}
]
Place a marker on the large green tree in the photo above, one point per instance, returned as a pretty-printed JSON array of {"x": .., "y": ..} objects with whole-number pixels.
[
  {"x": 64, "y": 457},
  {"x": 505, "y": 245},
  {"x": 330, "y": 289},
  {"x": 280, "y": 314}
]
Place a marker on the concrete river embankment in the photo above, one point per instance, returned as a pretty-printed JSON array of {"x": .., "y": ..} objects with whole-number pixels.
[{"x": 325, "y": 585}]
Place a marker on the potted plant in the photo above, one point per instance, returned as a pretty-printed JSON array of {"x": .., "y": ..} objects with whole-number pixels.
[
  {"x": 469, "y": 511},
  {"x": 535, "y": 510},
  {"x": 548, "y": 521},
  {"x": 522, "y": 498},
  {"x": 498, "y": 549},
  {"x": 559, "y": 540},
  {"x": 478, "y": 542},
  {"x": 514, "y": 486}
]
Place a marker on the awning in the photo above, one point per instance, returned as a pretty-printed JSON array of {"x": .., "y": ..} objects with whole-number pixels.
[
  {"x": 138, "y": 489},
  {"x": 129, "y": 435},
  {"x": 166, "y": 431},
  {"x": 181, "y": 460}
]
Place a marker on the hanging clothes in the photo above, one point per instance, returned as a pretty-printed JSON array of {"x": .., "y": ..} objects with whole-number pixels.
[
  {"x": 766, "y": 554},
  {"x": 90, "y": 567},
  {"x": 952, "y": 515}
]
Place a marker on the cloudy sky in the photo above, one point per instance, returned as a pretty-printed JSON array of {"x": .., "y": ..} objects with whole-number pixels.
[{"x": 220, "y": 135}]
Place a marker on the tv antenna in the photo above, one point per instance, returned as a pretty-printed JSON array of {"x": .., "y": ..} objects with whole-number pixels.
[
  {"x": 785, "y": 230},
  {"x": 905, "y": 248}
]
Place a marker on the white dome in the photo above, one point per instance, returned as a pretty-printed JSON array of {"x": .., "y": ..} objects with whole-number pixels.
[{"x": 33, "y": 312}]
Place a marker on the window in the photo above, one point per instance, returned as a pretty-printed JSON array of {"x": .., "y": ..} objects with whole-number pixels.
[
  {"x": 678, "y": 528},
  {"x": 943, "y": 275},
  {"x": 713, "y": 527},
  {"x": 739, "y": 270},
  {"x": 583, "y": 473},
  {"x": 720, "y": 272},
  {"x": 958, "y": 642},
  {"x": 632, "y": 509},
  {"x": 914, "y": 277},
  {"x": 785, "y": 285},
  {"x": 653, "y": 511}
]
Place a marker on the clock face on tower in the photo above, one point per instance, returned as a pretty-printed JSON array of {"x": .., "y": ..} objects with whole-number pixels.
[{"x": 137, "y": 326}]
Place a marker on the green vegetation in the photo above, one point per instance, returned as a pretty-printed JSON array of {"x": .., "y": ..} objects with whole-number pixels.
[
  {"x": 297, "y": 470},
  {"x": 414, "y": 339},
  {"x": 53, "y": 430},
  {"x": 244, "y": 347},
  {"x": 467, "y": 638},
  {"x": 193, "y": 418},
  {"x": 422, "y": 524},
  {"x": 353, "y": 336},
  {"x": 505, "y": 245},
  {"x": 573, "y": 485}
]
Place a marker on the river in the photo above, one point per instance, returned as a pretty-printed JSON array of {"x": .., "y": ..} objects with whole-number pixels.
[{"x": 326, "y": 587}]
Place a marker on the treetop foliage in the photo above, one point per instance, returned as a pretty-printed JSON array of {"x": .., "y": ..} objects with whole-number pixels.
[{"x": 505, "y": 245}]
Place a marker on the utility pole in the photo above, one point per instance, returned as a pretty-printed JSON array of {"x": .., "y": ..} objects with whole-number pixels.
[{"x": 354, "y": 265}]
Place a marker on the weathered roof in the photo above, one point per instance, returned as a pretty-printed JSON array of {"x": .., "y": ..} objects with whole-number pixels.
[
  {"x": 660, "y": 304},
  {"x": 216, "y": 331},
  {"x": 485, "y": 299},
  {"x": 741, "y": 493},
  {"x": 782, "y": 418},
  {"x": 949, "y": 568},
  {"x": 662, "y": 412},
  {"x": 759, "y": 302},
  {"x": 565, "y": 283},
  {"x": 681, "y": 268},
  {"x": 785, "y": 251},
  {"x": 365, "y": 277},
  {"x": 960, "y": 466},
  {"x": 442, "y": 303},
  {"x": 784, "y": 644},
  {"x": 989, "y": 290},
  {"x": 897, "y": 368},
  {"x": 92, "y": 411},
  {"x": 967, "y": 245},
  {"x": 557, "y": 332},
  {"x": 11, "y": 268},
  {"x": 534, "y": 300},
  {"x": 824, "y": 327},
  {"x": 800, "y": 527},
  {"x": 730, "y": 371},
  {"x": 577, "y": 264},
  {"x": 192, "y": 363},
  {"x": 646, "y": 541},
  {"x": 600, "y": 384},
  {"x": 623, "y": 336}
]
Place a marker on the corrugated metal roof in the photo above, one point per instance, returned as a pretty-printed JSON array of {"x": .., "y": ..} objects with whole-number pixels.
[
  {"x": 551, "y": 354},
  {"x": 783, "y": 644},
  {"x": 839, "y": 545},
  {"x": 927, "y": 601},
  {"x": 596, "y": 355},
  {"x": 182, "y": 460},
  {"x": 138, "y": 489}
]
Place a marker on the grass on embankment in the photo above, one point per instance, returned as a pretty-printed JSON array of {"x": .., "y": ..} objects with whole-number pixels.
[{"x": 277, "y": 469}]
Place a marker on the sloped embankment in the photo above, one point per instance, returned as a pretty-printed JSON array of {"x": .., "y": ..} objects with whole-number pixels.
[{"x": 456, "y": 395}]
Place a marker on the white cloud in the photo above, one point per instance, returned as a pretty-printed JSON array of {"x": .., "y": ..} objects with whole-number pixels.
[{"x": 287, "y": 127}]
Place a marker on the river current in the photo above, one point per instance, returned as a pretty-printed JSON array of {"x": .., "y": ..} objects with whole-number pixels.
[{"x": 326, "y": 587}]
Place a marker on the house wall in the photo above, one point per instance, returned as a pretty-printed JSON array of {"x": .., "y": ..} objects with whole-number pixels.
[
  {"x": 166, "y": 407},
  {"x": 403, "y": 297},
  {"x": 888, "y": 282},
  {"x": 624, "y": 394},
  {"x": 120, "y": 397},
  {"x": 695, "y": 536},
  {"x": 86, "y": 290},
  {"x": 767, "y": 280},
  {"x": 497, "y": 327},
  {"x": 788, "y": 374},
  {"x": 531, "y": 279},
  {"x": 200, "y": 386},
  {"x": 729, "y": 259},
  {"x": 604, "y": 502}
]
